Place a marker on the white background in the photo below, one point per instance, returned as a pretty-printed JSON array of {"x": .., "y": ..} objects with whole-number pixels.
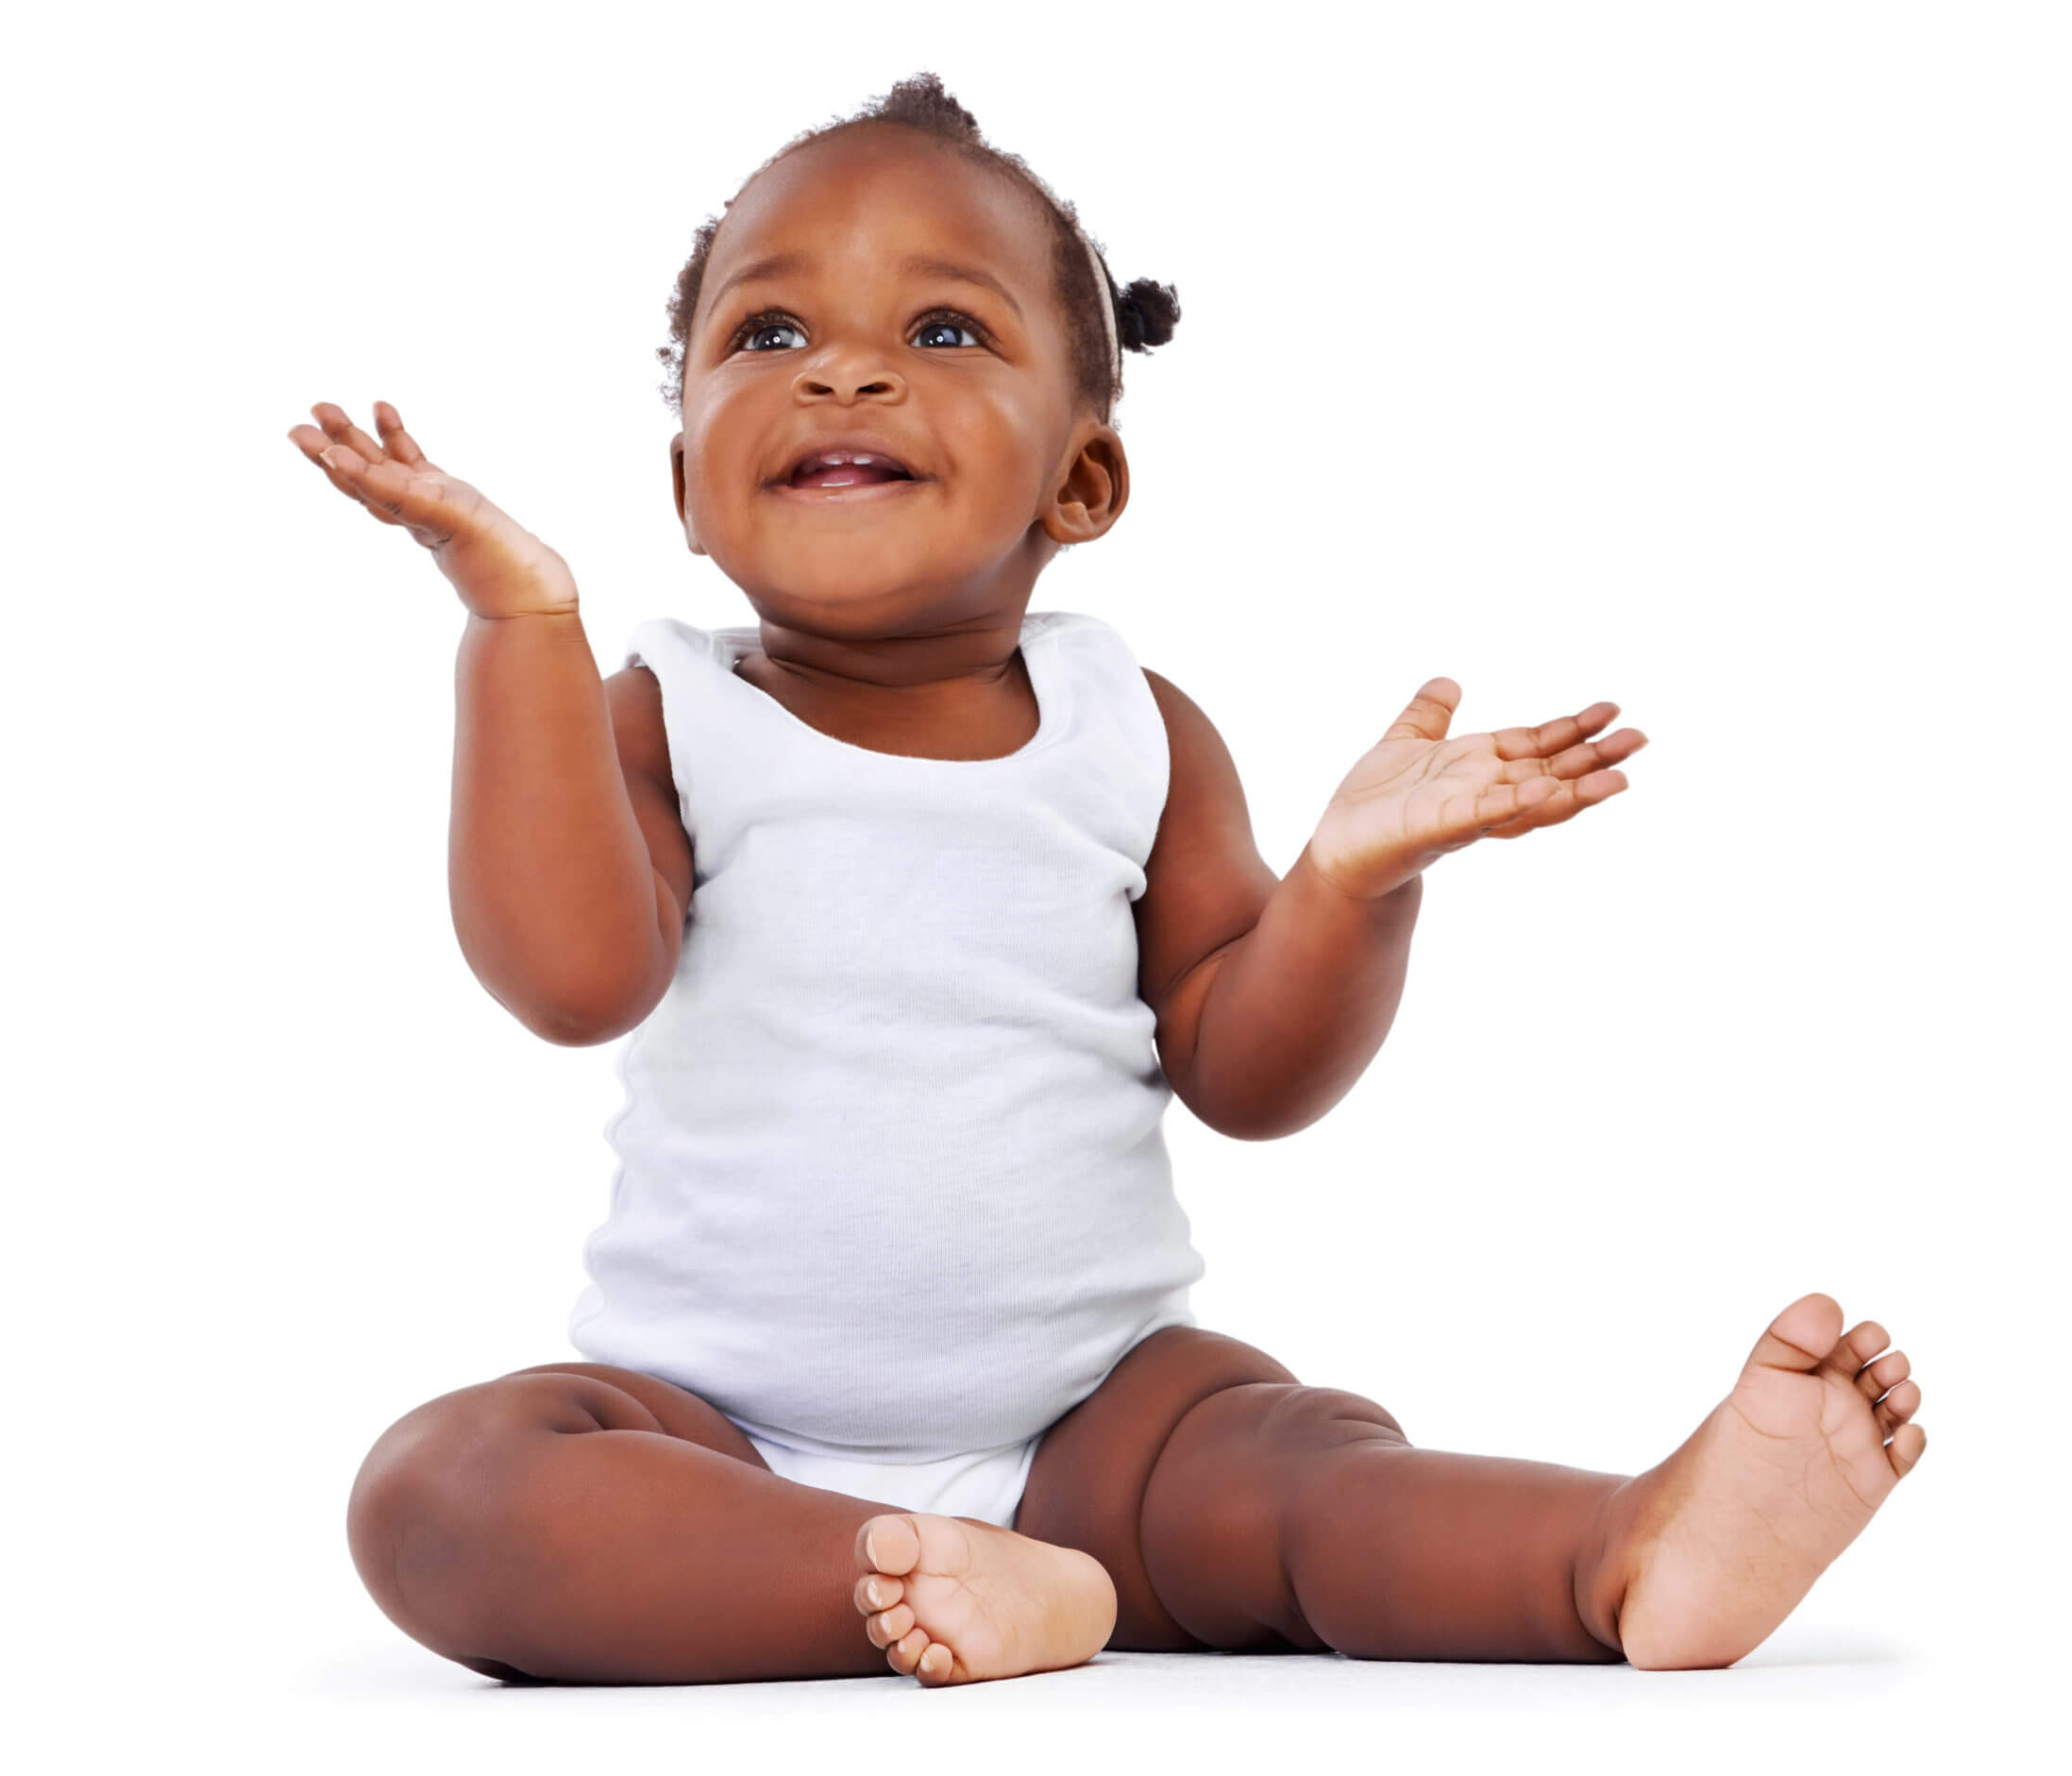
[{"x": 1713, "y": 360}]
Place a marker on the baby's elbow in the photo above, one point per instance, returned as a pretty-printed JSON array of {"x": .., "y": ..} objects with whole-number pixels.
[
  {"x": 1236, "y": 1121},
  {"x": 572, "y": 1033},
  {"x": 1238, "y": 1129},
  {"x": 598, "y": 1007},
  {"x": 589, "y": 1026},
  {"x": 572, "y": 1024}
]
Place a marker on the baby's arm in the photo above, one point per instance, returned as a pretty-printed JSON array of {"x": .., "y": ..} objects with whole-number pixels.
[
  {"x": 1274, "y": 1028},
  {"x": 558, "y": 902}
]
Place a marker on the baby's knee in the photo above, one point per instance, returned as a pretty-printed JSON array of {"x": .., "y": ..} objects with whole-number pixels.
[
  {"x": 1330, "y": 1415},
  {"x": 435, "y": 1495}
]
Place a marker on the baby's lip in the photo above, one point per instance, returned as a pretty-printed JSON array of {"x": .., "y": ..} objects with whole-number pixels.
[{"x": 855, "y": 446}]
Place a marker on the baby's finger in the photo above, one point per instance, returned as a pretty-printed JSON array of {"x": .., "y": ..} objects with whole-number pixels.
[
  {"x": 341, "y": 431},
  {"x": 1467, "y": 817},
  {"x": 1567, "y": 801},
  {"x": 1424, "y": 718},
  {"x": 422, "y": 500},
  {"x": 400, "y": 445},
  {"x": 340, "y": 464},
  {"x": 1577, "y": 761},
  {"x": 1551, "y": 736}
]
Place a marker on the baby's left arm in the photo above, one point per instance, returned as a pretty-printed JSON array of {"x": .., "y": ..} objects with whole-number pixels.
[{"x": 1265, "y": 1031}]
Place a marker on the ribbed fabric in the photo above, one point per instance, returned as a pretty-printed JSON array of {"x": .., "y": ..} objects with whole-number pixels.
[{"x": 892, "y": 1181}]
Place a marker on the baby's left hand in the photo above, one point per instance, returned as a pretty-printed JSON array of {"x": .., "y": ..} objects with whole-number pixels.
[{"x": 1419, "y": 795}]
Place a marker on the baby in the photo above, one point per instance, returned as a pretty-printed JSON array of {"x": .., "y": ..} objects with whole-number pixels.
[{"x": 918, "y": 906}]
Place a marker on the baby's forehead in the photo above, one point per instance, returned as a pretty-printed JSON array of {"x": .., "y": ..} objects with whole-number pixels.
[{"x": 868, "y": 204}]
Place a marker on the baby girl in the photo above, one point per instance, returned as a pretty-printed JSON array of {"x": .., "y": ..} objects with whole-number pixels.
[{"x": 918, "y": 906}]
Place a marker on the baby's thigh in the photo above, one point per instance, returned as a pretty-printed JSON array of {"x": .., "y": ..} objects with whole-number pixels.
[
  {"x": 451, "y": 1477},
  {"x": 1085, "y": 1487},
  {"x": 680, "y": 1412}
]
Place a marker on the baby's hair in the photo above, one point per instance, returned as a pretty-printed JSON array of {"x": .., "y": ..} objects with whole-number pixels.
[{"x": 1145, "y": 314}]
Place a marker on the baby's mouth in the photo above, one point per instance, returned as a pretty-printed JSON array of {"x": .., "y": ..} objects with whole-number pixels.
[
  {"x": 855, "y": 466},
  {"x": 847, "y": 468},
  {"x": 848, "y": 474}
]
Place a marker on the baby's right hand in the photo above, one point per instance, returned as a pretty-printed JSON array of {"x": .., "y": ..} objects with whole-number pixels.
[{"x": 498, "y": 566}]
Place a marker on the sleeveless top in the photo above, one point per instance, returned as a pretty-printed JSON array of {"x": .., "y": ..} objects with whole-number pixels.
[{"x": 892, "y": 1184}]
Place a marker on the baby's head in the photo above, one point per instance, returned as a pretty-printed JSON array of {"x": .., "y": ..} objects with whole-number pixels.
[{"x": 935, "y": 299}]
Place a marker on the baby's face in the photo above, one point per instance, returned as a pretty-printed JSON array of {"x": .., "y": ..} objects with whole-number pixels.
[{"x": 850, "y": 338}]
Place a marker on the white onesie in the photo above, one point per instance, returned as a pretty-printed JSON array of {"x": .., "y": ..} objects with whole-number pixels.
[{"x": 893, "y": 1192}]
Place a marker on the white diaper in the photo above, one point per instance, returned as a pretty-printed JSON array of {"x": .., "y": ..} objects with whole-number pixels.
[{"x": 982, "y": 1483}]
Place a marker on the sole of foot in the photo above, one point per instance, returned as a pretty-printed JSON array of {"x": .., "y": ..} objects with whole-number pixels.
[
  {"x": 1708, "y": 1551},
  {"x": 956, "y": 1600}
]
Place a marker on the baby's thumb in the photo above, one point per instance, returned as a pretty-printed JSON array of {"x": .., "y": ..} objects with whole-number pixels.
[{"x": 1425, "y": 716}]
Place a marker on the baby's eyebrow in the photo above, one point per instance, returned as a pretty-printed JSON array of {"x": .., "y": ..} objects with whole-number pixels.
[
  {"x": 922, "y": 266},
  {"x": 918, "y": 265}
]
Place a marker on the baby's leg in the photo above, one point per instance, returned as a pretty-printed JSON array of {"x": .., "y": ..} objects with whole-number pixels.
[
  {"x": 1252, "y": 1512},
  {"x": 1240, "y": 1510},
  {"x": 580, "y": 1523},
  {"x": 1281, "y": 1516},
  {"x": 1397, "y": 1552}
]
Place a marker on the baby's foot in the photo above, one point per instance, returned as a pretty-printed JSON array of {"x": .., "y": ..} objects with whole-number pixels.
[
  {"x": 951, "y": 1599},
  {"x": 1715, "y": 1546}
]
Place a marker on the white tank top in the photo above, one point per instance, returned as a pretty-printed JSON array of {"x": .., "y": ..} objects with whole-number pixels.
[{"x": 892, "y": 1184}]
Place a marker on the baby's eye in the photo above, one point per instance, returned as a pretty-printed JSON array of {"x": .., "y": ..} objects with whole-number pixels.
[
  {"x": 951, "y": 322},
  {"x": 757, "y": 324}
]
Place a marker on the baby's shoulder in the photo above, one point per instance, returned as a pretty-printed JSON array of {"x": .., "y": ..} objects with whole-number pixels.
[
  {"x": 1201, "y": 786},
  {"x": 1185, "y": 721},
  {"x": 634, "y": 697}
]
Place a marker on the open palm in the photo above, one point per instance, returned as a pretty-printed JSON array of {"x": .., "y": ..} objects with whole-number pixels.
[{"x": 1417, "y": 795}]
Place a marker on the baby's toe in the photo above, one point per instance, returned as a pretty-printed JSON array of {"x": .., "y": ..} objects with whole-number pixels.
[
  {"x": 1898, "y": 1406},
  {"x": 1854, "y": 1349},
  {"x": 1888, "y": 1371},
  {"x": 893, "y": 1624},
  {"x": 888, "y": 1544},
  {"x": 905, "y": 1653},
  {"x": 935, "y": 1663},
  {"x": 1905, "y": 1448},
  {"x": 1803, "y": 1337},
  {"x": 877, "y": 1591}
]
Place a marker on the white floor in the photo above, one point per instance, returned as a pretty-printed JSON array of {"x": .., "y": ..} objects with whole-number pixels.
[{"x": 1809, "y": 1702}]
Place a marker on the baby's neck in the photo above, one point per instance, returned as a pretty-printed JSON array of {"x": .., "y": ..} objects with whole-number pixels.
[{"x": 965, "y": 695}]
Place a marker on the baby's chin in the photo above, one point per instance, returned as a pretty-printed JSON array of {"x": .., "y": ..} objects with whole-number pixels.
[
  {"x": 866, "y": 575},
  {"x": 847, "y": 601}
]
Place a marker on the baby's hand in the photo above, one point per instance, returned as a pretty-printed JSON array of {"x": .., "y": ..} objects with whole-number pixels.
[
  {"x": 499, "y": 568},
  {"x": 1419, "y": 795}
]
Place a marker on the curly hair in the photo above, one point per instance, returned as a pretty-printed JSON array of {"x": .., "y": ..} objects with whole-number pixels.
[{"x": 1145, "y": 312}]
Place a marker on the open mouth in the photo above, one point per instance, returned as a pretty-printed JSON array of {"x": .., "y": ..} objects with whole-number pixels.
[{"x": 835, "y": 468}]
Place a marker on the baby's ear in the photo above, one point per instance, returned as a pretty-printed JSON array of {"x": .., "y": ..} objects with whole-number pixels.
[
  {"x": 676, "y": 472},
  {"x": 1093, "y": 489}
]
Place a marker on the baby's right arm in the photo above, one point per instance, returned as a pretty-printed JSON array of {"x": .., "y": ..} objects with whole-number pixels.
[{"x": 567, "y": 864}]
